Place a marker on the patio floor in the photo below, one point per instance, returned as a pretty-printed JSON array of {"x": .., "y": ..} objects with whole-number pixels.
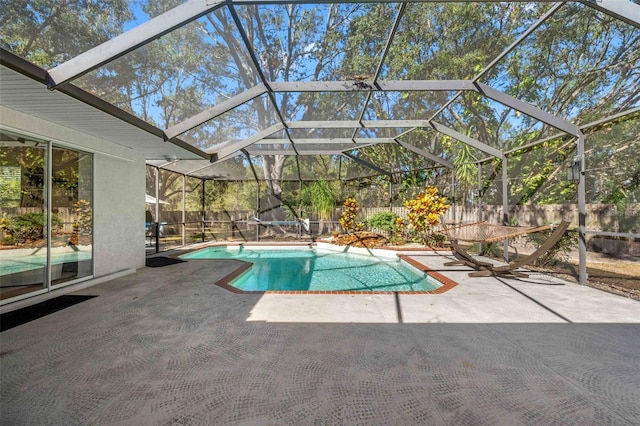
[{"x": 166, "y": 346}]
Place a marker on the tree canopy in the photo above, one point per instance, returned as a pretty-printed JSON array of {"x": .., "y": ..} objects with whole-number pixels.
[{"x": 579, "y": 64}]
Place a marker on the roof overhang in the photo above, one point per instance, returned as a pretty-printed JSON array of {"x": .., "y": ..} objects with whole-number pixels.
[{"x": 24, "y": 89}]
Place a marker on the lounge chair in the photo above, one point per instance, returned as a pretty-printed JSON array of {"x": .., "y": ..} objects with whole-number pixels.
[{"x": 487, "y": 269}]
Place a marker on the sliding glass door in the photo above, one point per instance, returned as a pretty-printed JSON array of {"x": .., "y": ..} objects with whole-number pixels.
[
  {"x": 46, "y": 220},
  {"x": 23, "y": 218},
  {"x": 71, "y": 214}
]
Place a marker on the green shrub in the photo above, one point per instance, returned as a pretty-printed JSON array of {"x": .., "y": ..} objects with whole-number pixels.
[
  {"x": 29, "y": 226},
  {"x": 384, "y": 221}
]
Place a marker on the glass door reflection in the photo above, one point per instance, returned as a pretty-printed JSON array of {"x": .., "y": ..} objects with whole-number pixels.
[
  {"x": 72, "y": 215},
  {"x": 23, "y": 219}
]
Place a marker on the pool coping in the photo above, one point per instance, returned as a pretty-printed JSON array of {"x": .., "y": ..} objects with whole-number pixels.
[{"x": 225, "y": 282}]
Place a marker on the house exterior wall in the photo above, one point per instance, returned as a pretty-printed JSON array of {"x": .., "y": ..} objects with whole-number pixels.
[
  {"x": 119, "y": 214},
  {"x": 118, "y": 197}
]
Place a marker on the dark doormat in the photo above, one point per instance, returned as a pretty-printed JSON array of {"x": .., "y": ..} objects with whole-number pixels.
[
  {"x": 21, "y": 316},
  {"x": 158, "y": 262}
]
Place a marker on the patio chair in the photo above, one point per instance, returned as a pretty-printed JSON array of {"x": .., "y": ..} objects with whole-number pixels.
[{"x": 487, "y": 269}]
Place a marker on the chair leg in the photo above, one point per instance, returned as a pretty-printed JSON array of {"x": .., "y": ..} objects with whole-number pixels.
[{"x": 456, "y": 263}]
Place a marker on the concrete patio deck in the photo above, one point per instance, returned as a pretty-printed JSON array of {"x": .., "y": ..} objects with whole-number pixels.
[{"x": 166, "y": 346}]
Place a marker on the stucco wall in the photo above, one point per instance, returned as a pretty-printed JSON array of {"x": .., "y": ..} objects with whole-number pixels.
[
  {"x": 119, "y": 188},
  {"x": 119, "y": 214}
]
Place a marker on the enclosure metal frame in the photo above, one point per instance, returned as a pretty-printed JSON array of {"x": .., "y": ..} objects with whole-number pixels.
[{"x": 61, "y": 76}]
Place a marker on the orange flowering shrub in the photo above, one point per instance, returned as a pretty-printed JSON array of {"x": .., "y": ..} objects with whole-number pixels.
[{"x": 425, "y": 210}]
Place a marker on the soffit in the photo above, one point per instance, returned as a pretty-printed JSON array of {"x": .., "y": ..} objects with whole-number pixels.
[{"x": 28, "y": 96}]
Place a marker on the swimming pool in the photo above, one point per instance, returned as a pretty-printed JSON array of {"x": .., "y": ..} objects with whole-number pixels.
[{"x": 308, "y": 268}]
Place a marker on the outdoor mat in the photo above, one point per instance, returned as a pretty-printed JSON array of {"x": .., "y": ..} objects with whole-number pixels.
[
  {"x": 21, "y": 316},
  {"x": 158, "y": 262}
]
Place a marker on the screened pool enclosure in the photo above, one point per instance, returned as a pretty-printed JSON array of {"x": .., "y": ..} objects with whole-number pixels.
[{"x": 518, "y": 112}]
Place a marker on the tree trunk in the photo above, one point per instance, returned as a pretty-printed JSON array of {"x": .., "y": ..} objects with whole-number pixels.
[{"x": 272, "y": 210}]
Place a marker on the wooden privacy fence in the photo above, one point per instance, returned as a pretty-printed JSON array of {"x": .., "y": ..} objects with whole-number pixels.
[{"x": 600, "y": 217}]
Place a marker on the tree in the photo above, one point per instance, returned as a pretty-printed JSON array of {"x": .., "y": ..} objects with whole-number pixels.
[
  {"x": 579, "y": 71},
  {"x": 50, "y": 32},
  {"x": 580, "y": 64},
  {"x": 320, "y": 199}
]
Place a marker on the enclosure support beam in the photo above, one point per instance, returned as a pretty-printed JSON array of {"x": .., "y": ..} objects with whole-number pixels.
[
  {"x": 300, "y": 202},
  {"x": 519, "y": 40},
  {"x": 215, "y": 111},
  {"x": 184, "y": 209},
  {"x": 302, "y": 153},
  {"x": 156, "y": 237},
  {"x": 466, "y": 139},
  {"x": 226, "y": 149},
  {"x": 328, "y": 141},
  {"x": 258, "y": 67},
  {"x": 426, "y": 85},
  {"x": 253, "y": 170},
  {"x": 270, "y": 2},
  {"x": 536, "y": 143},
  {"x": 48, "y": 207},
  {"x": 504, "y": 53},
  {"x": 528, "y": 109},
  {"x": 203, "y": 214},
  {"x": 505, "y": 204},
  {"x": 425, "y": 154},
  {"x": 480, "y": 212},
  {"x": 362, "y": 124},
  {"x": 582, "y": 127},
  {"x": 370, "y": 86},
  {"x": 257, "y": 208},
  {"x": 453, "y": 195},
  {"x": 611, "y": 118},
  {"x": 130, "y": 40},
  {"x": 255, "y": 176},
  {"x": 480, "y": 207},
  {"x": 582, "y": 213},
  {"x": 626, "y": 11},
  {"x": 376, "y": 75},
  {"x": 366, "y": 164}
]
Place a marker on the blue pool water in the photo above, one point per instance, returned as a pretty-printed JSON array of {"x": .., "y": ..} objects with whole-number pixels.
[
  {"x": 316, "y": 269},
  {"x": 13, "y": 265}
]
